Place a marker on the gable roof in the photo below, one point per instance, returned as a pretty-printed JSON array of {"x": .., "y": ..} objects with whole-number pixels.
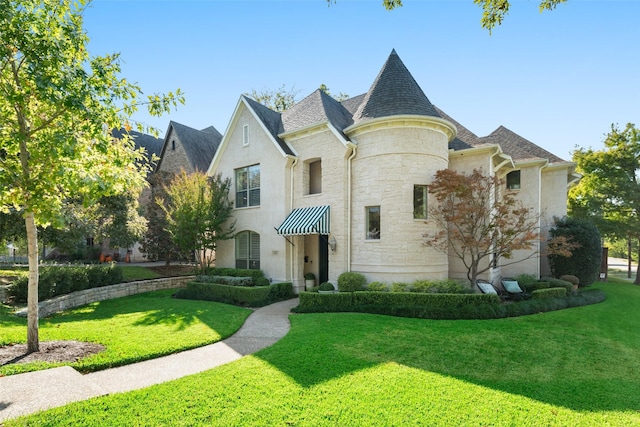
[
  {"x": 464, "y": 138},
  {"x": 518, "y": 147},
  {"x": 394, "y": 92},
  {"x": 272, "y": 121},
  {"x": 199, "y": 145},
  {"x": 316, "y": 108}
]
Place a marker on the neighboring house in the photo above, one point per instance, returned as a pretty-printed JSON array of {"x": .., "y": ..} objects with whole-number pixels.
[
  {"x": 328, "y": 187},
  {"x": 182, "y": 148},
  {"x": 187, "y": 148}
]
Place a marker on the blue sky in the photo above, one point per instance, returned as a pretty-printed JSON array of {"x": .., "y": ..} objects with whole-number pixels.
[{"x": 559, "y": 78}]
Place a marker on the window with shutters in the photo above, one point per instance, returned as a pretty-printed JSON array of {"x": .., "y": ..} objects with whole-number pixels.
[
  {"x": 248, "y": 186},
  {"x": 248, "y": 250}
]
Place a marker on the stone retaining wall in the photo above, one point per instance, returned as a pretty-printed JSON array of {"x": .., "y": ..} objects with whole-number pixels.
[{"x": 87, "y": 296}]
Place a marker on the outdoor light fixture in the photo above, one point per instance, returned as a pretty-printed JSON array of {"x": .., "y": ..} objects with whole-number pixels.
[{"x": 332, "y": 243}]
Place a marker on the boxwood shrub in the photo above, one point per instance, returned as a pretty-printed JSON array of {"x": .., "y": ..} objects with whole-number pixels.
[
  {"x": 549, "y": 293},
  {"x": 255, "y": 296},
  {"x": 236, "y": 272},
  {"x": 440, "y": 306},
  {"x": 60, "y": 280},
  {"x": 351, "y": 282}
]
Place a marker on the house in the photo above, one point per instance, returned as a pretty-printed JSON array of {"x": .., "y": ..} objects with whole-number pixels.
[{"x": 328, "y": 187}]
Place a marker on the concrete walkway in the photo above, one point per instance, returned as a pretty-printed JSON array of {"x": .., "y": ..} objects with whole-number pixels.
[{"x": 36, "y": 391}]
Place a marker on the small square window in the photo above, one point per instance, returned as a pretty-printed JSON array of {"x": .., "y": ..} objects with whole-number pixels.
[
  {"x": 373, "y": 223},
  {"x": 513, "y": 180}
]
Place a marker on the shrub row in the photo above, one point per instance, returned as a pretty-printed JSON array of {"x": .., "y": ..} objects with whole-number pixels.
[
  {"x": 432, "y": 286},
  {"x": 256, "y": 296},
  {"x": 226, "y": 280},
  {"x": 460, "y": 306},
  {"x": 235, "y": 272},
  {"x": 549, "y": 293},
  {"x": 61, "y": 280}
]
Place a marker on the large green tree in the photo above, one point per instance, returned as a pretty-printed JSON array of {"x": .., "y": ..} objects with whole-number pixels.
[
  {"x": 609, "y": 192},
  {"x": 493, "y": 11},
  {"x": 198, "y": 212},
  {"x": 58, "y": 105}
]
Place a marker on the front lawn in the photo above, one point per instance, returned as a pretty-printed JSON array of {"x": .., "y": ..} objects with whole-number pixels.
[
  {"x": 575, "y": 367},
  {"x": 132, "y": 329}
]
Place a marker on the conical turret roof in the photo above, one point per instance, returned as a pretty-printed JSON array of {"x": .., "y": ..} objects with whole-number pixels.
[{"x": 394, "y": 92}]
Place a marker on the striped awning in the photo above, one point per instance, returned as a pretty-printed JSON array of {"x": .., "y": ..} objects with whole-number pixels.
[{"x": 301, "y": 221}]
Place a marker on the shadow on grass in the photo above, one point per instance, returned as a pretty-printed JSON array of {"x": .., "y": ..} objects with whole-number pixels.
[{"x": 583, "y": 358}]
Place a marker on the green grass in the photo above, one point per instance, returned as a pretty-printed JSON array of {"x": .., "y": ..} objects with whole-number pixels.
[
  {"x": 132, "y": 329},
  {"x": 575, "y": 367}
]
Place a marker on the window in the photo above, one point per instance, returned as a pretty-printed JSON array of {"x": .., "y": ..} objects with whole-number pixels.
[
  {"x": 248, "y": 250},
  {"x": 373, "y": 223},
  {"x": 173, "y": 145},
  {"x": 248, "y": 186},
  {"x": 315, "y": 177},
  {"x": 420, "y": 201},
  {"x": 245, "y": 135},
  {"x": 513, "y": 180}
]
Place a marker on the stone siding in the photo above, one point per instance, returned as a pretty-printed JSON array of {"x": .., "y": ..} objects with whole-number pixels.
[{"x": 87, "y": 296}]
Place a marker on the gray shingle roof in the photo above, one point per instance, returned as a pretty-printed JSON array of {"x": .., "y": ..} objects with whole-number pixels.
[
  {"x": 316, "y": 108},
  {"x": 518, "y": 147},
  {"x": 464, "y": 138},
  {"x": 394, "y": 92},
  {"x": 272, "y": 120},
  {"x": 352, "y": 104},
  {"x": 199, "y": 145}
]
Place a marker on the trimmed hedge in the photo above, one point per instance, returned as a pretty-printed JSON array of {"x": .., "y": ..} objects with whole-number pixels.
[
  {"x": 227, "y": 280},
  {"x": 255, "y": 296},
  {"x": 460, "y": 306},
  {"x": 549, "y": 293},
  {"x": 235, "y": 272},
  {"x": 61, "y": 280}
]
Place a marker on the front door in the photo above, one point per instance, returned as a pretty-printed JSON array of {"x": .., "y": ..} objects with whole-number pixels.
[{"x": 323, "y": 258}]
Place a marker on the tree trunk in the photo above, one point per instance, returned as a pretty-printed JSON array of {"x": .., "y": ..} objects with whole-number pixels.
[
  {"x": 33, "y": 342},
  {"x": 637, "y": 281},
  {"x": 628, "y": 257}
]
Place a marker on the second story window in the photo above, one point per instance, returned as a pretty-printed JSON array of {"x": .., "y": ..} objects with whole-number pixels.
[
  {"x": 315, "y": 177},
  {"x": 513, "y": 180},
  {"x": 248, "y": 186},
  {"x": 420, "y": 201}
]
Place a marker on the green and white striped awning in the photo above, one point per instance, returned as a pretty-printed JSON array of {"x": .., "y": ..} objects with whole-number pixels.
[{"x": 302, "y": 221}]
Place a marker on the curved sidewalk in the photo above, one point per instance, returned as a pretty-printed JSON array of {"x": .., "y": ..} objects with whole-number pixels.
[{"x": 36, "y": 391}]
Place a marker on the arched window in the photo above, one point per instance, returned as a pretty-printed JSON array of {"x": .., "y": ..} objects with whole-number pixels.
[
  {"x": 513, "y": 180},
  {"x": 248, "y": 250}
]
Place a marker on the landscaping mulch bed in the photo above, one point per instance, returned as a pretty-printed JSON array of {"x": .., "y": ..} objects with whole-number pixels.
[{"x": 50, "y": 351}]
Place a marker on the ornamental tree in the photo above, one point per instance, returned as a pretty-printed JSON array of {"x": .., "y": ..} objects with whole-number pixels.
[
  {"x": 198, "y": 212},
  {"x": 477, "y": 222},
  {"x": 58, "y": 105}
]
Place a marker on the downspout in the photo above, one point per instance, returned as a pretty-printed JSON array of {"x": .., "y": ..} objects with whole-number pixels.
[
  {"x": 354, "y": 149},
  {"x": 291, "y": 253}
]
